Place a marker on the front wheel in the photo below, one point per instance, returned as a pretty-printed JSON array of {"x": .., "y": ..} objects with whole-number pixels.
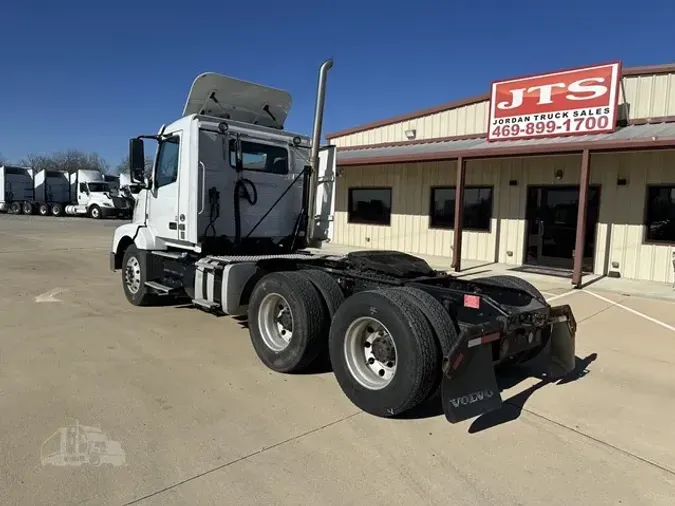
[
  {"x": 95, "y": 212},
  {"x": 134, "y": 275},
  {"x": 15, "y": 208}
]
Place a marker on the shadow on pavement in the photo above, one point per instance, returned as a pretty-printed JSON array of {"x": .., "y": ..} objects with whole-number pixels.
[{"x": 513, "y": 407}]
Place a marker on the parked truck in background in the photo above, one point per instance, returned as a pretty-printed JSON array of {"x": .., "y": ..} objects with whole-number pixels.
[
  {"x": 227, "y": 218},
  {"x": 94, "y": 198},
  {"x": 16, "y": 187},
  {"x": 56, "y": 193}
]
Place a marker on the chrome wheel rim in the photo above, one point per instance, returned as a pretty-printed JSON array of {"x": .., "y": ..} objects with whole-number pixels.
[
  {"x": 275, "y": 322},
  {"x": 370, "y": 353},
  {"x": 132, "y": 275}
]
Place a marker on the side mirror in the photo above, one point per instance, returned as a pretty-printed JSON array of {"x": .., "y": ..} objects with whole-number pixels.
[{"x": 137, "y": 160}]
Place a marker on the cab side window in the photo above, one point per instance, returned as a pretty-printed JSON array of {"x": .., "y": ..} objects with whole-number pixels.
[{"x": 167, "y": 161}]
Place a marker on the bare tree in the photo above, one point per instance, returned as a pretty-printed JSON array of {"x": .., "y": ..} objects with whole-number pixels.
[
  {"x": 71, "y": 160},
  {"x": 123, "y": 166}
]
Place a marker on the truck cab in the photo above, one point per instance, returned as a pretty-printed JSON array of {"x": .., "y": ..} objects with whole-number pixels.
[
  {"x": 227, "y": 178},
  {"x": 95, "y": 197}
]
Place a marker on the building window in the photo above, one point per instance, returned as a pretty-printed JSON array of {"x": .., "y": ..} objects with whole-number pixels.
[
  {"x": 660, "y": 215},
  {"x": 477, "y": 208},
  {"x": 370, "y": 206}
]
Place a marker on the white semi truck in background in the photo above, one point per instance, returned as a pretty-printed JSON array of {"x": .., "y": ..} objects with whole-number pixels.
[{"x": 57, "y": 193}]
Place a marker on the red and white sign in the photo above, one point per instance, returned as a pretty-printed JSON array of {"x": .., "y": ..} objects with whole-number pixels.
[{"x": 569, "y": 102}]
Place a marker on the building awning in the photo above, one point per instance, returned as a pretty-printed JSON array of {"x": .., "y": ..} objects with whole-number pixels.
[{"x": 631, "y": 137}]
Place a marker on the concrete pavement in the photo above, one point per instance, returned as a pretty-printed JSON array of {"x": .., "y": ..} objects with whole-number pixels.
[{"x": 201, "y": 421}]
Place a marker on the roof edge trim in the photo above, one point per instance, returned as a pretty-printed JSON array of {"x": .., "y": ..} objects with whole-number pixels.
[{"x": 668, "y": 68}]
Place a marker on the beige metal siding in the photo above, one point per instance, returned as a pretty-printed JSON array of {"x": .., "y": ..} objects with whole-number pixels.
[
  {"x": 648, "y": 97},
  {"x": 619, "y": 235},
  {"x": 411, "y": 192},
  {"x": 626, "y": 212}
]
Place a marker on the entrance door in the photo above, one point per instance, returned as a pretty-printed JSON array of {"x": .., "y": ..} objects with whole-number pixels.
[{"x": 551, "y": 215}]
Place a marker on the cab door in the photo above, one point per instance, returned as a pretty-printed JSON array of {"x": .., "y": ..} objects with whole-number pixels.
[{"x": 162, "y": 202}]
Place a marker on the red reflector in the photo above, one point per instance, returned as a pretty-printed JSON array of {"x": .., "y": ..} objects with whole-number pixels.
[
  {"x": 472, "y": 301},
  {"x": 489, "y": 338},
  {"x": 457, "y": 361}
]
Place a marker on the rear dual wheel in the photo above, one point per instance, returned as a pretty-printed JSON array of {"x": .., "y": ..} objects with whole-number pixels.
[
  {"x": 384, "y": 352},
  {"x": 287, "y": 318},
  {"x": 385, "y": 346}
]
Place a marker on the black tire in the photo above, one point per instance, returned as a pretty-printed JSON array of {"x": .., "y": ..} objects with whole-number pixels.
[
  {"x": 416, "y": 352},
  {"x": 141, "y": 297},
  {"x": 43, "y": 209},
  {"x": 57, "y": 209},
  {"x": 27, "y": 208},
  {"x": 445, "y": 329},
  {"x": 308, "y": 317},
  {"x": 94, "y": 212},
  {"x": 332, "y": 297},
  {"x": 15, "y": 208},
  {"x": 515, "y": 282},
  {"x": 328, "y": 288}
]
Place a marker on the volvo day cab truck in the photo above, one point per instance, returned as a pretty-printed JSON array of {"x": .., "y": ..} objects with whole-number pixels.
[{"x": 229, "y": 218}]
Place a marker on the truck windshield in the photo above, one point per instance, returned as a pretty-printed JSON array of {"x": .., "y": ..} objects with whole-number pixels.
[{"x": 98, "y": 187}]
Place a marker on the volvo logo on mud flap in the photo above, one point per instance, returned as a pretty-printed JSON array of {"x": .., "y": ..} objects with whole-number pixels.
[{"x": 472, "y": 398}]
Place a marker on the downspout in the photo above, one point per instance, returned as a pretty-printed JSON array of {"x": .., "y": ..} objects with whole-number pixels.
[{"x": 316, "y": 144}]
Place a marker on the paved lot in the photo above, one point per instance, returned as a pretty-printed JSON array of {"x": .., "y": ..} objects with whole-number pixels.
[{"x": 201, "y": 421}]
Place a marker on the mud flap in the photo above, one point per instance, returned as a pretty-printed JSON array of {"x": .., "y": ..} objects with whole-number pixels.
[
  {"x": 561, "y": 345},
  {"x": 473, "y": 389},
  {"x": 562, "y": 360}
]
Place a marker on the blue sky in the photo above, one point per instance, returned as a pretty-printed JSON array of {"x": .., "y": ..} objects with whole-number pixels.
[{"x": 86, "y": 76}]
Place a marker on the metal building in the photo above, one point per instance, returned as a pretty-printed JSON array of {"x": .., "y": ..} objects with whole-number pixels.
[{"x": 581, "y": 180}]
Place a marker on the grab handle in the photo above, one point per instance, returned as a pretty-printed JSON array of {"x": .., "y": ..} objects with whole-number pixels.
[{"x": 203, "y": 187}]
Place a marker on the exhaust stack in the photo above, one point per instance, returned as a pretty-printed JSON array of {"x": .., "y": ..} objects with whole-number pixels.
[{"x": 316, "y": 144}]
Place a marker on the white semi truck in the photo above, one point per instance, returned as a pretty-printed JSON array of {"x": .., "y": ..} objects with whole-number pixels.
[
  {"x": 57, "y": 193},
  {"x": 227, "y": 218}
]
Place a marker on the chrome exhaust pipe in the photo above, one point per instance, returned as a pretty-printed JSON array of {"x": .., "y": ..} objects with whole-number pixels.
[{"x": 316, "y": 144}]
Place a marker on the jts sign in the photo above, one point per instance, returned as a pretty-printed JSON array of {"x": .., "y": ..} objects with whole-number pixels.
[{"x": 570, "y": 102}]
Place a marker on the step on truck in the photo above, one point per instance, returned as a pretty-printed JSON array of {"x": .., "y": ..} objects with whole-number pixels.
[
  {"x": 233, "y": 216},
  {"x": 84, "y": 192}
]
